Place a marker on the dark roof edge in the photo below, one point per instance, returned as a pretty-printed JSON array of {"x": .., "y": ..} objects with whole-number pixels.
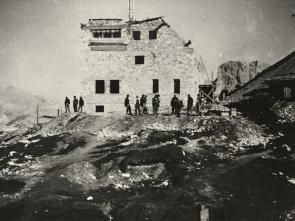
[
  {"x": 105, "y": 19},
  {"x": 132, "y": 22},
  {"x": 270, "y": 68},
  {"x": 145, "y": 20}
]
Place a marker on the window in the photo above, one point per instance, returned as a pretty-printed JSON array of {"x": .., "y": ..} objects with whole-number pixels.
[
  {"x": 116, "y": 33},
  {"x": 97, "y": 34},
  {"x": 114, "y": 86},
  {"x": 99, "y": 108},
  {"x": 155, "y": 86},
  {"x": 152, "y": 35},
  {"x": 107, "y": 34},
  {"x": 136, "y": 35},
  {"x": 111, "y": 33},
  {"x": 99, "y": 86},
  {"x": 139, "y": 59},
  {"x": 176, "y": 86}
]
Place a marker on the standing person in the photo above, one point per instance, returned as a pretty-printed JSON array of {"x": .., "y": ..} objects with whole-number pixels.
[
  {"x": 81, "y": 104},
  {"x": 157, "y": 103},
  {"x": 67, "y": 105},
  {"x": 141, "y": 102},
  {"x": 75, "y": 104},
  {"x": 199, "y": 104},
  {"x": 197, "y": 107},
  {"x": 190, "y": 103},
  {"x": 137, "y": 106},
  {"x": 173, "y": 102},
  {"x": 127, "y": 105},
  {"x": 199, "y": 99},
  {"x": 145, "y": 111},
  {"x": 154, "y": 103},
  {"x": 179, "y": 106}
]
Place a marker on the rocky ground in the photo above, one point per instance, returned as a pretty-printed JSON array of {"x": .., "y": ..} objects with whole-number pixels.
[
  {"x": 284, "y": 111},
  {"x": 80, "y": 167}
]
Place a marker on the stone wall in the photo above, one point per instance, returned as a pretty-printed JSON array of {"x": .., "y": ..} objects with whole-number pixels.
[{"x": 167, "y": 38}]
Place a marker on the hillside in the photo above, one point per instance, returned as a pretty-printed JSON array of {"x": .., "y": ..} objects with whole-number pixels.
[{"x": 81, "y": 167}]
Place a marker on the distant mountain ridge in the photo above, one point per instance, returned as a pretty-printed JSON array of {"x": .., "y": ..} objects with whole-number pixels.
[
  {"x": 233, "y": 74},
  {"x": 18, "y": 108}
]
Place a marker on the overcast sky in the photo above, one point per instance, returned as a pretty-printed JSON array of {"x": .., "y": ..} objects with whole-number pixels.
[{"x": 40, "y": 39}]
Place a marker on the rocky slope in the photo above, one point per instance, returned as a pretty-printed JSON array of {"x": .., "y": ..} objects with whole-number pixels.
[
  {"x": 233, "y": 74},
  {"x": 81, "y": 167},
  {"x": 285, "y": 111}
]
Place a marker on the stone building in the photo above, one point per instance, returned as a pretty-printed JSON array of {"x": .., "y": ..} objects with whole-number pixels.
[{"x": 135, "y": 58}]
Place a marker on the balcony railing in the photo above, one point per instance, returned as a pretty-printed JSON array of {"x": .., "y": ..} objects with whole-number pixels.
[{"x": 107, "y": 40}]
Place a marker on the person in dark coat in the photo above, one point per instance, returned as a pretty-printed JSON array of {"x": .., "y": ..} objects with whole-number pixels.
[
  {"x": 81, "y": 104},
  {"x": 157, "y": 102},
  {"x": 154, "y": 103},
  {"x": 198, "y": 104},
  {"x": 137, "y": 106},
  {"x": 197, "y": 107},
  {"x": 190, "y": 103},
  {"x": 178, "y": 107},
  {"x": 75, "y": 104},
  {"x": 127, "y": 105},
  {"x": 199, "y": 99},
  {"x": 145, "y": 110},
  {"x": 173, "y": 102},
  {"x": 141, "y": 101},
  {"x": 67, "y": 105}
]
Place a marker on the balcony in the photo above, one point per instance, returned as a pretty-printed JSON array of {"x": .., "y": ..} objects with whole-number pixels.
[
  {"x": 107, "y": 40},
  {"x": 107, "y": 44}
]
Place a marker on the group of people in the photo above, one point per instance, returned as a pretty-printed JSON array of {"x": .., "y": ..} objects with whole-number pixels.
[
  {"x": 176, "y": 105},
  {"x": 141, "y": 104},
  {"x": 77, "y": 104}
]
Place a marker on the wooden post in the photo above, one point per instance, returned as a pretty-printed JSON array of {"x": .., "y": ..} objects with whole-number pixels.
[
  {"x": 58, "y": 112},
  {"x": 233, "y": 111},
  {"x": 204, "y": 213},
  {"x": 37, "y": 113}
]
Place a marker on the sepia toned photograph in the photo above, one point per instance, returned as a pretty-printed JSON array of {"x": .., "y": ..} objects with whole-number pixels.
[{"x": 136, "y": 110}]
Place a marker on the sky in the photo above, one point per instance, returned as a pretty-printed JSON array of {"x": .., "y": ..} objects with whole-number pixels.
[{"x": 40, "y": 39}]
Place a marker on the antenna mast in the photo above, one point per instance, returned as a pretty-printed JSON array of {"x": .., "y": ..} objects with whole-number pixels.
[{"x": 130, "y": 10}]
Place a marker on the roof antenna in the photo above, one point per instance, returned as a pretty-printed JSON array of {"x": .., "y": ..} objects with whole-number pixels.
[{"x": 130, "y": 11}]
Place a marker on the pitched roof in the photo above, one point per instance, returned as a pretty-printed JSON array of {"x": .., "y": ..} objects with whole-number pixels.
[
  {"x": 146, "y": 20},
  {"x": 105, "y": 19},
  {"x": 265, "y": 71},
  {"x": 281, "y": 77},
  {"x": 100, "y": 21}
]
